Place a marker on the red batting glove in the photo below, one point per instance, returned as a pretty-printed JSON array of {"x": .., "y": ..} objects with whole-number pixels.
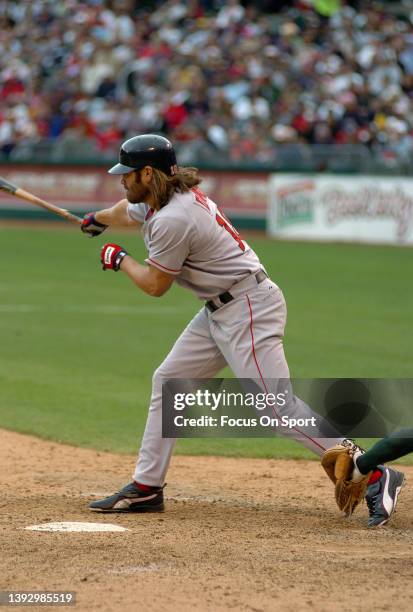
[{"x": 111, "y": 256}]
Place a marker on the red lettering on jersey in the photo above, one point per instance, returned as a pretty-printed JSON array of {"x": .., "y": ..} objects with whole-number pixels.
[
  {"x": 149, "y": 214},
  {"x": 200, "y": 197},
  {"x": 223, "y": 222}
]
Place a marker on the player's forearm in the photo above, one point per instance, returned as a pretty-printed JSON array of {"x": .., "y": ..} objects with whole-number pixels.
[
  {"x": 142, "y": 276},
  {"x": 116, "y": 216}
]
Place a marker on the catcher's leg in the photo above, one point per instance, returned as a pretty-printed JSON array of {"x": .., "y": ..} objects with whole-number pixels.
[
  {"x": 394, "y": 446},
  {"x": 194, "y": 355},
  {"x": 250, "y": 333}
]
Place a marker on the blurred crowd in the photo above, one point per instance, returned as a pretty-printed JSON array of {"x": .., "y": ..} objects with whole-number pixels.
[{"x": 219, "y": 77}]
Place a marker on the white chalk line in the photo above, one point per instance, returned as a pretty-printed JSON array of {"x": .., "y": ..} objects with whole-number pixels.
[{"x": 76, "y": 527}]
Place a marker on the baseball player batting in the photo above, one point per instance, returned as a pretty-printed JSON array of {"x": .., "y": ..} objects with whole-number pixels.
[{"x": 241, "y": 324}]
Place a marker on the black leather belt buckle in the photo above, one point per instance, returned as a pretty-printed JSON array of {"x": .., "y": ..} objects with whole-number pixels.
[{"x": 225, "y": 297}]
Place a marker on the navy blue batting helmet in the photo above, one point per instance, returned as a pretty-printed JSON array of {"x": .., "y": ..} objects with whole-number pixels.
[{"x": 146, "y": 150}]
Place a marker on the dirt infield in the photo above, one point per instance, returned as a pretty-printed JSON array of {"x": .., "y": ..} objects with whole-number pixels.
[{"x": 238, "y": 534}]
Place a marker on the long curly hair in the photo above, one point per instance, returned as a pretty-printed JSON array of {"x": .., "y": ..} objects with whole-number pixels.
[{"x": 162, "y": 187}]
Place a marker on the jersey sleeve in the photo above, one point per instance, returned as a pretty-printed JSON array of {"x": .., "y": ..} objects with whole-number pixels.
[
  {"x": 169, "y": 244},
  {"x": 137, "y": 212}
]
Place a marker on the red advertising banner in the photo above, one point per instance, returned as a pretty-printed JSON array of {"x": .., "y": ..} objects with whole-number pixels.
[{"x": 79, "y": 188}]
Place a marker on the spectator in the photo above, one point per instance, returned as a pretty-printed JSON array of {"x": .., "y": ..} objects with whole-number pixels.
[{"x": 215, "y": 75}]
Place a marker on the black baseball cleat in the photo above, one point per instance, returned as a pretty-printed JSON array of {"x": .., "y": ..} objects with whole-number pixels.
[
  {"x": 381, "y": 496},
  {"x": 131, "y": 499}
]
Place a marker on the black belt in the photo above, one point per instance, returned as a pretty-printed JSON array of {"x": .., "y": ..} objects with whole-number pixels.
[{"x": 226, "y": 297}]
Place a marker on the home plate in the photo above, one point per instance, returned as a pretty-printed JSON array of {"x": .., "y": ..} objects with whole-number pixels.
[{"x": 68, "y": 526}]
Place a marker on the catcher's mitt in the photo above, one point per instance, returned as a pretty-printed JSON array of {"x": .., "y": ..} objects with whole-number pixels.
[{"x": 339, "y": 465}]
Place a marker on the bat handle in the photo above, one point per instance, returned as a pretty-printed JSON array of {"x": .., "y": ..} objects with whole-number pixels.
[{"x": 73, "y": 218}]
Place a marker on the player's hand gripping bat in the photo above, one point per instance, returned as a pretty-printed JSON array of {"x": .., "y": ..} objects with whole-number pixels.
[{"x": 29, "y": 197}]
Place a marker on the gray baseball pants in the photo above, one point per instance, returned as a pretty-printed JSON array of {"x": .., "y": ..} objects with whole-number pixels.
[{"x": 246, "y": 334}]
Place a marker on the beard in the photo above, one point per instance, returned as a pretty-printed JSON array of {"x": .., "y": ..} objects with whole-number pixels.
[{"x": 137, "y": 193}]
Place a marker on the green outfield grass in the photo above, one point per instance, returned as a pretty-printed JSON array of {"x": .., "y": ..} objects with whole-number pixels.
[{"x": 78, "y": 346}]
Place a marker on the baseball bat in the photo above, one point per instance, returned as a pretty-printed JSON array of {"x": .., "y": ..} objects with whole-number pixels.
[{"x": 29, "y": 197}]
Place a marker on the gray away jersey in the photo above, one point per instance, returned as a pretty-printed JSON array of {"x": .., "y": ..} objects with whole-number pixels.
[{"x": 191, "y": 239}]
